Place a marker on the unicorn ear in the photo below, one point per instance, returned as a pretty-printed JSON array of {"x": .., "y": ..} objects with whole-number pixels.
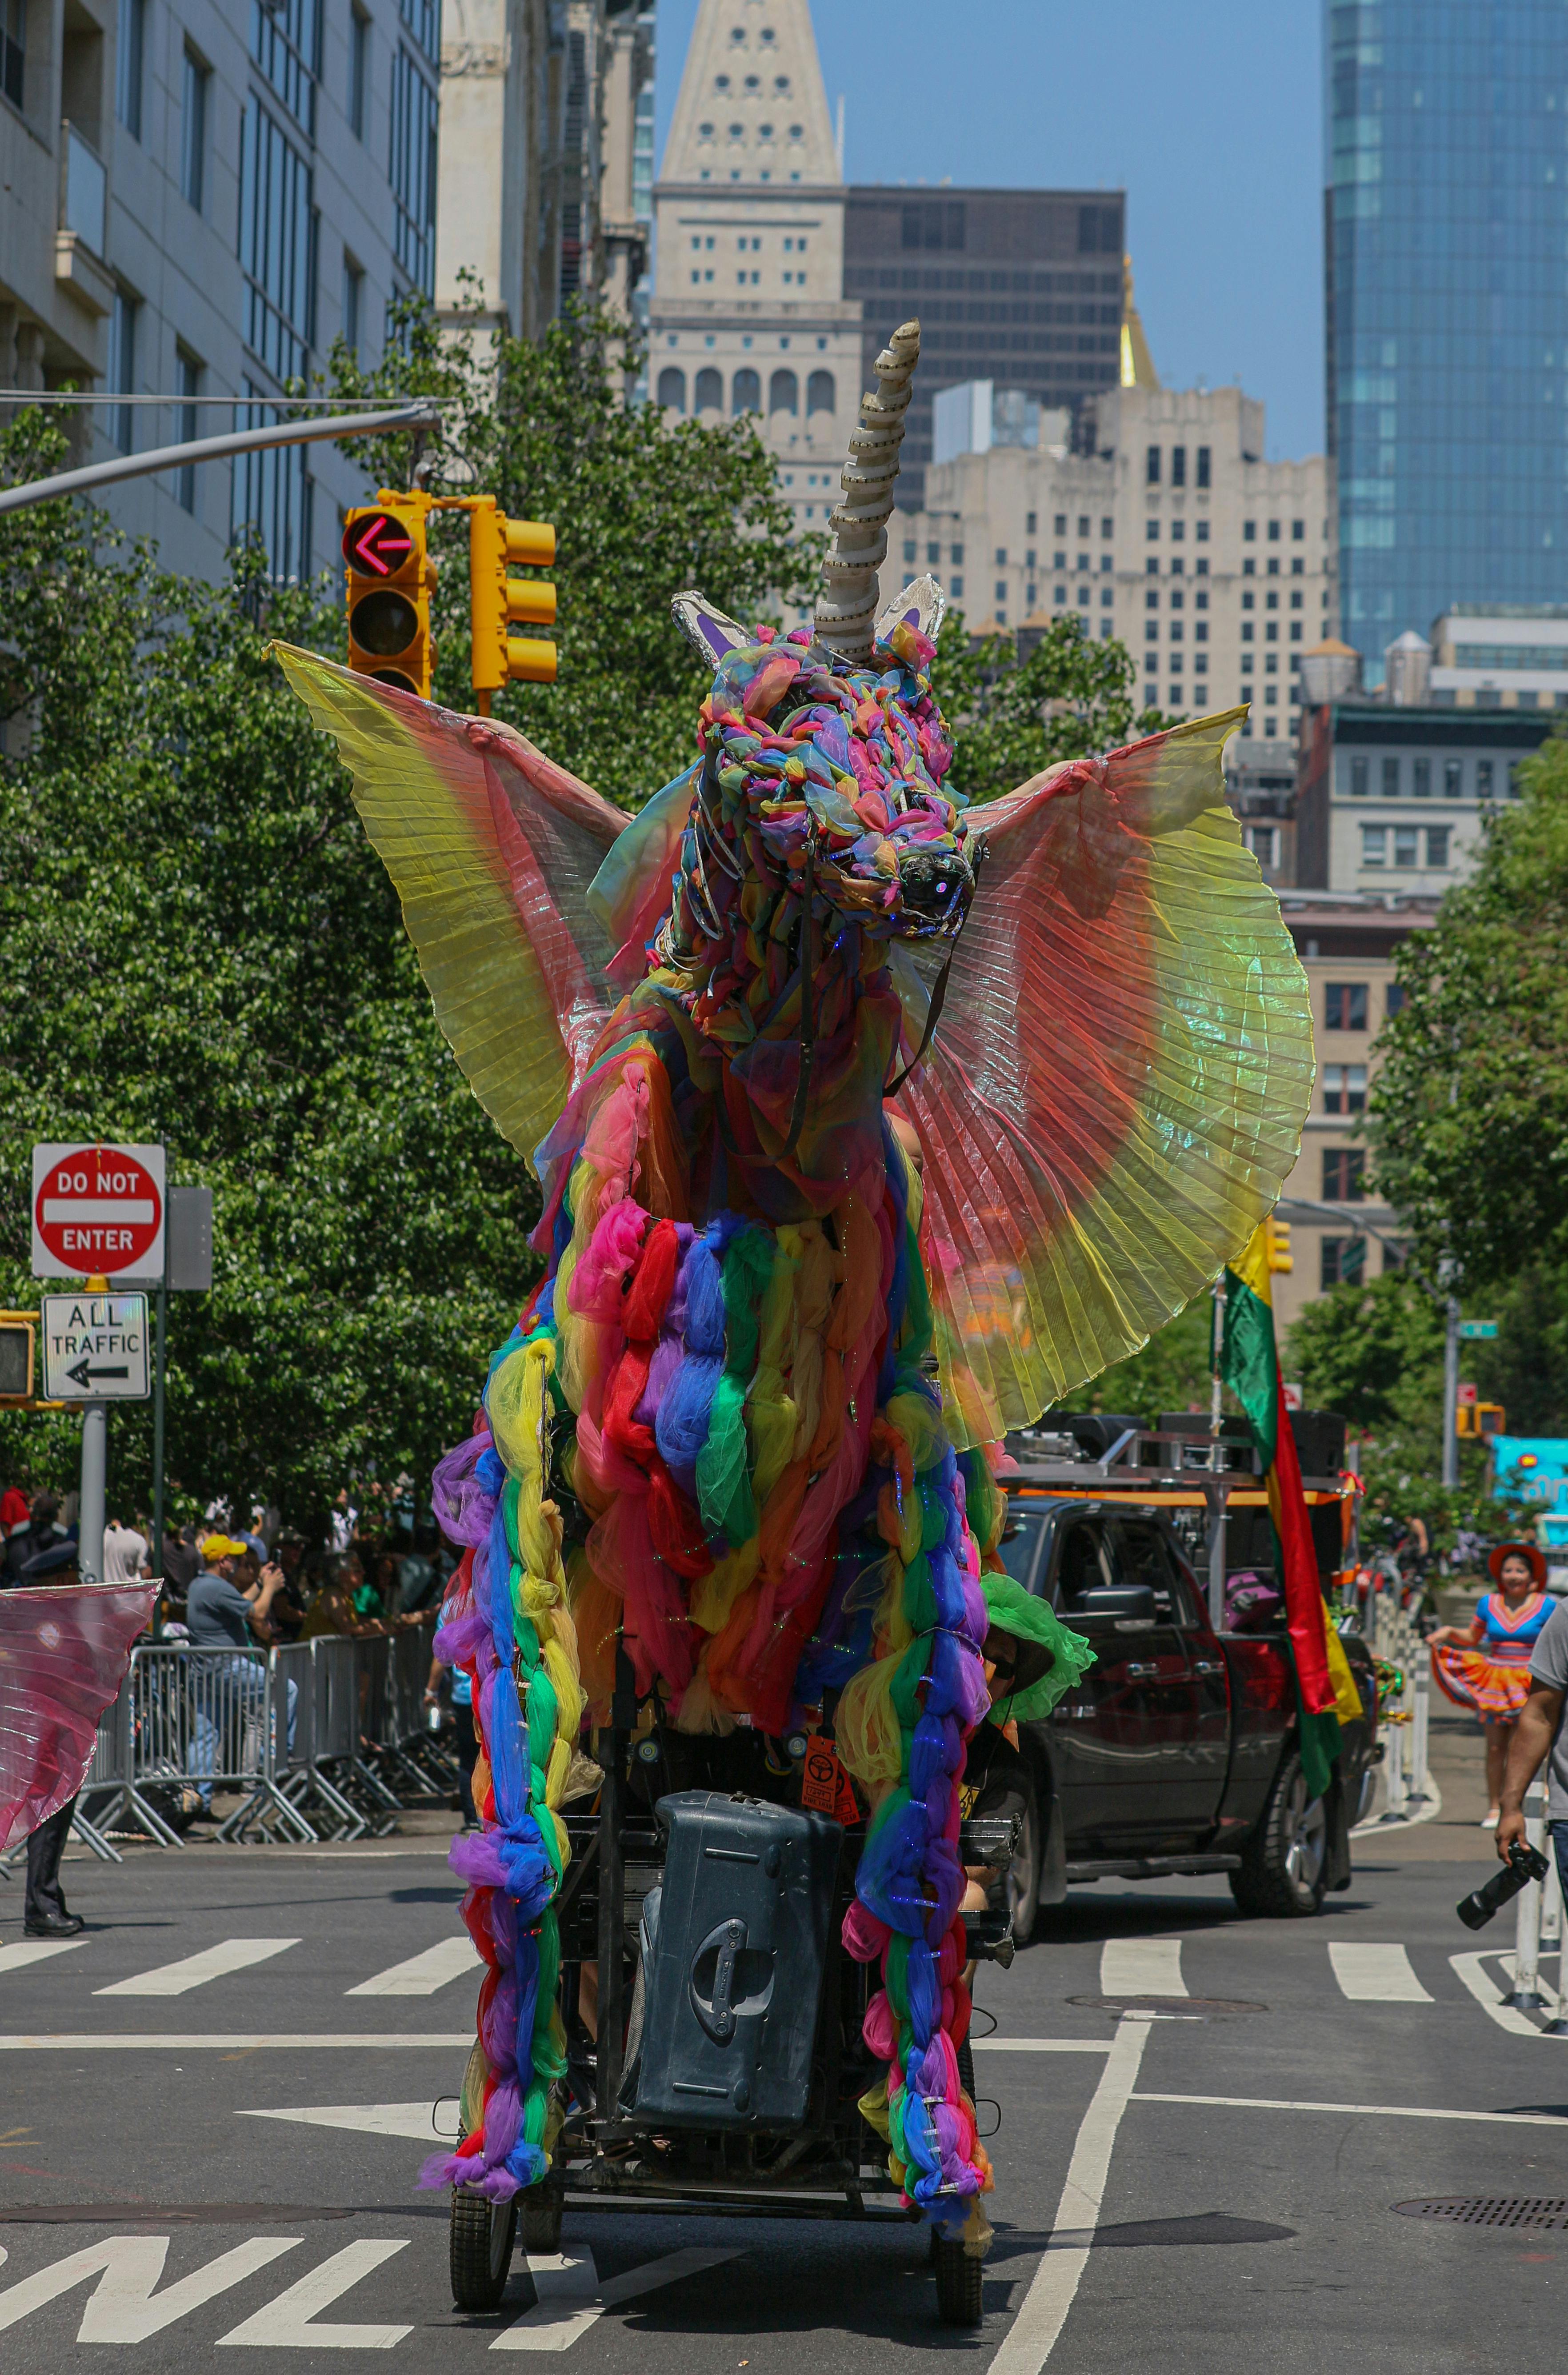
[
  {"x": 707, "y": 630},
  {"x": 921, "y": 606}
]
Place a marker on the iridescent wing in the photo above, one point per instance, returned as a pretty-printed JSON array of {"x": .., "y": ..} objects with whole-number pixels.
[
  {"x": 492, "y": 848},
  {"x": 1115, "y": 1090},
  {"x": 64, "y": 1653}
]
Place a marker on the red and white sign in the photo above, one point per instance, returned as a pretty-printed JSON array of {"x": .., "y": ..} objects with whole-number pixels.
[{"x": 96, "y": 1211}]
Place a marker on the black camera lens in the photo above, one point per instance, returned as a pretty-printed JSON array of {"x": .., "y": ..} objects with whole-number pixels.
[{"x": 1525, "y": 1864}]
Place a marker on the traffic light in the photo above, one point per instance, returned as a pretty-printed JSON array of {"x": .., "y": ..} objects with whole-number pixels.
[
  {"x": 391, "y": 578},
  {"x": 496, "y": 600},
  {"x": 1481, "y": 1419},
  {"x": 1277, "y": 1244},
  {"x": 16, "y": 1356}
]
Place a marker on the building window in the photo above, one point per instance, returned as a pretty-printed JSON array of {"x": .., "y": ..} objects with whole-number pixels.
[
  {"x": 1297, "y": 531},
  {"x": 958, "y": 589},
  {"x": 710, "y": 391},
  {"x": 423, "y": 20},
  {"x": 1249, "y": 531},
  {"x": 12, "y": 49},
  {"x": 1061, "y": 522},
  {"x": 128, "y": 66},
  {"x": 1273, "y": 531},
  {"x": 1344, "y": 1170},
  {"x": 1344, "y": 1006},
  {"x": 1263, "y": 840},
  {"x": 189, "y": 373},
  {"x": 933, "y": 554},
  {"x": 1453, "y": 779},
  {"x": 672, "y": 389},
  {"x": 1437, "y": 846},
  {"x": 1394, "y": 999},
  {"x": 276, "y": 244},
  {"x": 1483, "y": 779},
  {"x": 120, "y": 423},
  {"x": 1178, "y": 466},
  {"x": 285, "y": 44},
  {"x": 359, "y": 73},
  {"x": 1357, "y": 779},
  {"x": 193, "y": 143},
  {"x": 1203, "y": 466},
  {"x": 412, "y": 171},
  {"x": 1374, "y": 844},
  {"x": 1002, "y": 557},
  {"x": 271, "y": 495},
  {"x": 1151, "y": 466},
  {"x": 353, "y": 302},
  {"x": 955, "y": 554},
  {"x": 746, "y": 393},
  {"x": 1342, "y": 1261},
  {"x": 909, "y": 553},
  {"x": 820, "y": 395},
  {"x": 784, "y": 392},
  {"x": 1002, "y": 589},
  {"x": 1083, "y": 530},
  {"x": 1152, "y": 530},
  {"x": 1390, "y": 784},
  {"x": 1405, "y": 846},
  {"x": 1344, "y": 1088}
]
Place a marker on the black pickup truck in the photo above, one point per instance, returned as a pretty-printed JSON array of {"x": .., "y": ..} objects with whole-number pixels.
[{"x": 1177, "y": 1752}]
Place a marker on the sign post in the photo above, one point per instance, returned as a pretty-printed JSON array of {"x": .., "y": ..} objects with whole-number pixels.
[{"x": 94, "y": 1353}]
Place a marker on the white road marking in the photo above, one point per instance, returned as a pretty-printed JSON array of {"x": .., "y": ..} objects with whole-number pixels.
[
  {"x": 1365, "y": 2110},
  {"x": 1472, "y": 1971},
  {"x": 1041, "y": 2044},
  {"x": 572, "y": 2298},
  {"x": 1375, "y": 1974},
  {"x": 1037, "y": 2327},
  {"x": 123, "y": 2306},
  {"x": 421, "y": 1975},
  {"x": 229, "y": 2040},
  {"x": 196, "y": 1970},
  {"x": 24, "y": 1951},
  {"x": 1141, "y": 1966},
  {"x": 416, "y": 2120},
  {"x": 287, "y": 2322}
]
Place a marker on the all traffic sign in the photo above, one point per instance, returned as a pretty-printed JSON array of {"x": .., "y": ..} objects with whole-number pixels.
[
  {"x": 379, "y": 545},
  {"x": 95, "y": 1348},
  {"x": 96, "y": 1210}
]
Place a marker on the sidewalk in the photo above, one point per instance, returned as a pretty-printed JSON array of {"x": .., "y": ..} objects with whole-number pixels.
[{"x": 1456, "y": 1756}]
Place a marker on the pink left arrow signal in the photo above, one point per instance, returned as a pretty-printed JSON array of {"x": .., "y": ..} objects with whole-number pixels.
[{"x": 379, "y": 546}]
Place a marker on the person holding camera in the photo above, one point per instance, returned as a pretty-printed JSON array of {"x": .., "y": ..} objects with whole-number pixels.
[{"x": 1538, "y": 1734}]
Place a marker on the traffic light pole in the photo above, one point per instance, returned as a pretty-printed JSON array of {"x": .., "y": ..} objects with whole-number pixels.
[
  {"x": 422, "y": 415},
  {"x": 1451, "y": 1396}
]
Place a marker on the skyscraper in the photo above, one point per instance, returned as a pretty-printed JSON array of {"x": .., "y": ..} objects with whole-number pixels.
[{"x": 1446, "y": 215}]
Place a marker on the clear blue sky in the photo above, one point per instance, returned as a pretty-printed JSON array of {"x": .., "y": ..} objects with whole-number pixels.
[{"x": 1209, "y": 117}]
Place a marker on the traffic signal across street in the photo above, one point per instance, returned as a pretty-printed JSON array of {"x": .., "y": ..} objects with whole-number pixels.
[{"x": 391, "y": 576}]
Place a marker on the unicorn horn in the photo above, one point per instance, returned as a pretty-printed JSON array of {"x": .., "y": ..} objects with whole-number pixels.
[{"x": 847, "y": 604}]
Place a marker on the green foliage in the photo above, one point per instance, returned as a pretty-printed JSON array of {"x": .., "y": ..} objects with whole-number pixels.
[
  {"x": 1070, "y": 698},
  {"x": 1372, "y": 1351},
  {"x": 1469, "y": 1112},
  {"x": 642, "y": 507},
  {"x": 1171, "y": 1373}
]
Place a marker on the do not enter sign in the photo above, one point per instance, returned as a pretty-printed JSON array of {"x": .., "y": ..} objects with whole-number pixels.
[{"x": 96, "y": 1211}]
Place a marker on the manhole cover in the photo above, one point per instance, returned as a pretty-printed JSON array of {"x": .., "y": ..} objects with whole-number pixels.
[
  {"x": 1191, "y": 2007},
  {"x": 1490, "y": 2210}
]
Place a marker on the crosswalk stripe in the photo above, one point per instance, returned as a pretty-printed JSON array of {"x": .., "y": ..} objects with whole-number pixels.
[
  {"x": 572, "y": 2298},
  {"x": 1369, "y": 1974},
  {"x": 417, "y": 2120},
  {"x": 195, "y": 1971},
  {"x": 25, "y": 1951},
  {"x": 421, "y": 1975},
  {"x": 1141, "y": 1966}
]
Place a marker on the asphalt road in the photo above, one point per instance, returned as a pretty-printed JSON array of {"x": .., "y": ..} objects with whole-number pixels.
[{"x": 1214, "y": 2167}]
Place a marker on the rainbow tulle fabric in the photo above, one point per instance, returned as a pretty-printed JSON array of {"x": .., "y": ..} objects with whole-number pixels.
[
  {"x": 64, "y": 1650},
  {"x": 742, "y": 1422}
]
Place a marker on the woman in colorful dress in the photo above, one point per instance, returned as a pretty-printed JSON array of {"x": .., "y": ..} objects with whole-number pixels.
[{"x": 1485, "y": 1665}]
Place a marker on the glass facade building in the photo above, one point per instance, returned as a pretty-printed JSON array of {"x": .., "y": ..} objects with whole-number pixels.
[{"x": 1446, "y": 272}]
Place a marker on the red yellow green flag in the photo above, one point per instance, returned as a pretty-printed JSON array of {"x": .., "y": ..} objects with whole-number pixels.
[{"x": 1250, "y": 1366}]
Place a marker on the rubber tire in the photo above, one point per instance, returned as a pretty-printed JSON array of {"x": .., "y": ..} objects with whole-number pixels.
[
  {"x": 959, "y": 2277},
  {"x": 543, "y": 2207},
  {"x": 484, "y": 2235},
  {"x": 1266, "y": 1886},
  {"x": 966, "y": 2069},
  {"x": 1022, "y": 1881}
]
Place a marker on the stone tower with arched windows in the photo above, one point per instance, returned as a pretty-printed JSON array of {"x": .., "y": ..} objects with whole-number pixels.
[{"x": 749, "y": 313}]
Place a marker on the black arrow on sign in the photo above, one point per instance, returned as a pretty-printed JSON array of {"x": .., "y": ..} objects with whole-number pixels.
[{"x": 82, "y": 1376}]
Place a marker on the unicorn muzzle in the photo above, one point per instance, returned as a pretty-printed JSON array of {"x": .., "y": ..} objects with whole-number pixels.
[{"x": 934, "y": 889}]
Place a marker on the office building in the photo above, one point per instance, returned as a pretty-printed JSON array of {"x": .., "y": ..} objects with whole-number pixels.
[
  {"x": 1393, "y": 794},
  {"x": 1447, "y": 312},
  {"x": 195, "y": 204},
  {"x": 748, "y": 313},
  {"x": 1023, "y": 288},
  {"x": 1154, "y": 516},
  {"x": 1501, "y": 655},
  {"x": 541, "y": 104},
  {"x": 1341, "y": 1230}
]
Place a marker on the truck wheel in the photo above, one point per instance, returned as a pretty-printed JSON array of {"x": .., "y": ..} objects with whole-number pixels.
[
  {"x": 483, "y": 2233},
  {"x": 966, "y": 2070},
  {"x": 1284, "y": 1862},
  {"x": 958, "y": 2283},
  {"x": 1023, "y": 1874},
  {"x": 542, "y": 2206}
]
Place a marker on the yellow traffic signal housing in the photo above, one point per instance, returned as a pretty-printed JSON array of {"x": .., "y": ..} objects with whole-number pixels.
[
  {"x": 1277, "y": 1244},
  {"x": 391, "y": 578},
  {"x": 496, "y": 600},
  {"x": 17, "y": 1357},
  {"x": 1481, "y": 1419}
]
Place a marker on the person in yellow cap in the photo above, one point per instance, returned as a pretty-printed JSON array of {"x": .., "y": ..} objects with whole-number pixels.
[{"x": 227, "y": 1683}]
